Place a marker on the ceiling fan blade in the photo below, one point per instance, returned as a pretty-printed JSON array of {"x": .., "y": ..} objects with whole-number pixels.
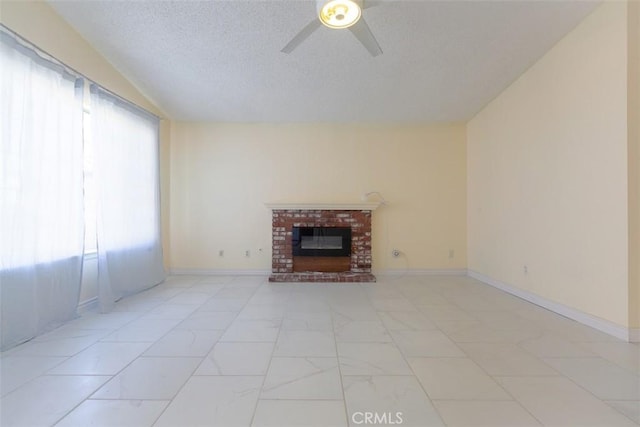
[
  {"x": 301, "y": 36},
  {"x": 365, "y": 36}
]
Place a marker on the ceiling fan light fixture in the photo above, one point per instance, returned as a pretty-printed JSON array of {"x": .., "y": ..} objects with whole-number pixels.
[{"x": 339, "y": 13}]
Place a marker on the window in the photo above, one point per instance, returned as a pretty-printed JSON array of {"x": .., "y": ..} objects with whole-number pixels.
[
  {"x": 125, "y": 171},
  {"x": 126, "y": 175},
  {"x": 74, "y": 180},
  {"x": 41, "y": 159},
  {"x": 41, "y": 200}
]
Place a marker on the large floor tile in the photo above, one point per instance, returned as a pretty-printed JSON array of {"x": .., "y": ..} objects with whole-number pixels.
[
  {"x": 446, "y": 312},
  {"x": 252, "y": 331},
  {"x": 102, "y": 358},
  {"x": 456, "y": 378},
  {"x": 423, "y": 298},
  {"x": 578, "y": 333},
  {"x": 506, "y": 360},
  {"x": 312, "y": 304},
  {"x": 302, "y": 378},
  {"x": 16, "y": 371},
  {"x": 191, "y": 297},
  {"x": 214, "y": 280},
  {"x": 300, "y": 413},
  {"x": 248, "y": 281},
  {"x": 405, "y": 320},
  {"x": 602, "y": 378},
  {"x": 234, "y": 291},
  {"x": 380, "y": 303},
  {"x": 360, "y": 331},
  {"x": 213, "y": 401},
  {"x": 479, "y": 413},
  {"x": 557, "y": 401},
  {"x": 208, "y": 320},
  {"x": 270, "y": 298},
  {"x": 549, "y": 345},
  {"x": 426, "y": 344},
  {"x": 170, "y": 311},
  {"x": 237, "y": 358},
  {"x": 475, "y": 331},
  {"x": 506, "y": 321},
  {"x": 149, "y": 378},
  {"x": 626, "y": 355},
  {"x": 184, "y": 342},
  {"x": 371, "y": 359},
  {"x": 109, "y": 321},
  {"x": 163, "y": 292},
  {"x": 181, "y": 281},
  {"x": 46, "y": 399},
  {"x": 110, "y": 413},
  {"x": 261, "y": 312},
  {"x": 382, "y": 290},
  {"x": 471, "y": 302},
  {"x": 223, "y": 304},
  {"x": 399, "y": 398},
  {"x": 142, "y": 330},
  {"x": 59, "y": 344},
  {"x": 307, "y": 321},
  {"x": 346, "y": 312},
  {"x": 207, "y": 288},
  {"x": 306, "y": 343},
  {"x": 138, "y": 304},
  {"x": 629, "y": 408}
]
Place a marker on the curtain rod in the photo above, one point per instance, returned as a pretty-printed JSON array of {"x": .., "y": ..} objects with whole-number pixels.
[{"x": 46, "y": 55}]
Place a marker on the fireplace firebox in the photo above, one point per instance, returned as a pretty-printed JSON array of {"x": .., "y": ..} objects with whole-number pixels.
[{"x": 321, "y": 241}]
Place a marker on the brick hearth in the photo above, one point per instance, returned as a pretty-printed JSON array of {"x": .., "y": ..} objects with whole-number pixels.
[{"x": 283, "y": 221}]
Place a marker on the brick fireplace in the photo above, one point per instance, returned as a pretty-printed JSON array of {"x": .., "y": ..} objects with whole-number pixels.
[{"x": 289, "y": 268}]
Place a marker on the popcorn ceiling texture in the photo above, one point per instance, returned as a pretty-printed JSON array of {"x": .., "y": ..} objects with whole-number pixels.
[{"x": 220, "y": 60}]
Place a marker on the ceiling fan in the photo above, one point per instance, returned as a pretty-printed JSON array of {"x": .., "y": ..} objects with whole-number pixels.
[{"x": 339, "y": 14}]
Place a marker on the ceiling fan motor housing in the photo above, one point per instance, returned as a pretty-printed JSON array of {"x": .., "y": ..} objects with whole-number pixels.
[{"x": 339, "y": 13}]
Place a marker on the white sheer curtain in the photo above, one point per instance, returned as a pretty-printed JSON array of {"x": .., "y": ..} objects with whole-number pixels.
[
  {"x": 128, "y": 201},
  {"x": 41, "y": 210}
]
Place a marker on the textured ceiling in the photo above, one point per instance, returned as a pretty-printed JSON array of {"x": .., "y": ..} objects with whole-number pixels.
[{"x": 221, "y": 60}]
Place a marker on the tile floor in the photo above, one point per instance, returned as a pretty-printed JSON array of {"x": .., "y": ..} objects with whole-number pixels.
[{"x": 239, "y": 351}]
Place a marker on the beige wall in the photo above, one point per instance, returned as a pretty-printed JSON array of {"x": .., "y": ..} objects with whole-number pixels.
[
  {"x": 222, "y": 174},
  {"x": 633, "y": 100},
  {"x": 547, "y": 174},
  {"x": 37, "y": 22}
]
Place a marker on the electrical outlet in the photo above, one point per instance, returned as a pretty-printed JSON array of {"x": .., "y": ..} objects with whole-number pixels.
[
  {"x": 525, "y": 269},
  {"x": 247, "y": 253},
  {"x": 452, "y": 253},
  {"x": 221, "y": 252},
  {"x": 395, "y": 253}
]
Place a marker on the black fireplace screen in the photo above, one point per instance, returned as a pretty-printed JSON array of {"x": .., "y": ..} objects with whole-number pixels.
[{"x": 321, "y": 241}]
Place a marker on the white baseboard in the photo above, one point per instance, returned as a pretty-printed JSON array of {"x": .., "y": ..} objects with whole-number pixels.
[
  {"x": 88, "y": 305},
  {"x": 602, "y": 325},
  {"x": 421, "y": 272},
  {"x": 206, "y": 272},
  {"x": 386, "y": 272}
]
